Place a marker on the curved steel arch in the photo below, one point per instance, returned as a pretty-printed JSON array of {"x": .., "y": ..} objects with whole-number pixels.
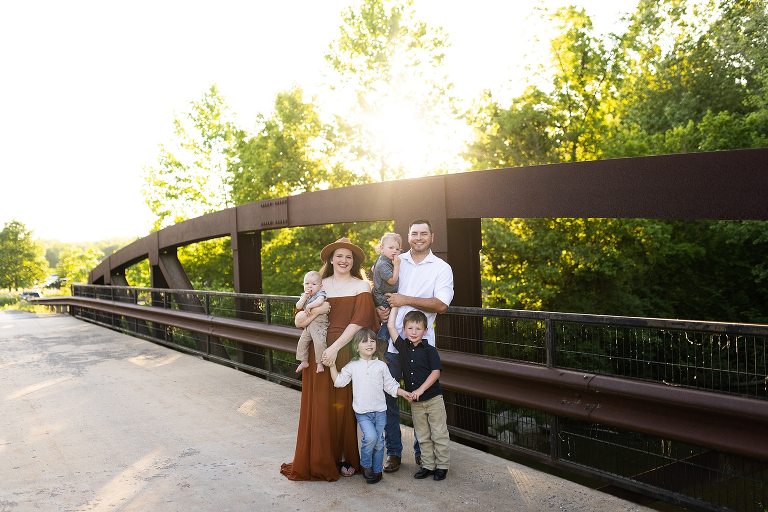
[{"x": 715, "y": 185}]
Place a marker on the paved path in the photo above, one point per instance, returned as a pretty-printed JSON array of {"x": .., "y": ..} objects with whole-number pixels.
[{"x": 93, "y": 420}]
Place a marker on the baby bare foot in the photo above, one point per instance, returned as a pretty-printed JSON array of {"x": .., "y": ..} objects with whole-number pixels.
[
  {"x": 303, "y": 365},
  {"x": 320, "y": 368}
]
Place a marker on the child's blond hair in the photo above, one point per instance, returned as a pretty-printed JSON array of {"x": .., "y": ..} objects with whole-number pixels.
[{"x": 385, "y": 236}]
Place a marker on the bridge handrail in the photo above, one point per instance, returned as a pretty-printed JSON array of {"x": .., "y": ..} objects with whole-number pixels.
[
  {"x": 714, "y": 356},
  {"x": 667, "y": 411}
]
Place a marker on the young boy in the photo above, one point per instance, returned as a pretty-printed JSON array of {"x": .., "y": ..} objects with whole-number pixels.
[
  {"x": 317, "y": 330},
  {"x": 421, "y": 370}
]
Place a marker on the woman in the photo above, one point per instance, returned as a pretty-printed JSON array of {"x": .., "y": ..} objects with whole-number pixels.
[{"x": 326, "y": 443}]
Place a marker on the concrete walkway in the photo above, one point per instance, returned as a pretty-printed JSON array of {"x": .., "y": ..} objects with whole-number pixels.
[{"x": 93, "y": 420}]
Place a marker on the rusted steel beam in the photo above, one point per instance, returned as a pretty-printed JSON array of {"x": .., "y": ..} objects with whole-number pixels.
[
  {"x": 723, "y": 422},
  {"x": 712, "y": 185}
]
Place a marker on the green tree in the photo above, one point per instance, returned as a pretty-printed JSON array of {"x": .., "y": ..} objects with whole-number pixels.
[
  {"x": 75, "y": 264},
  {"x": 22, "y": 260},
  {"x": 289, "y": 253},
  {"x": 397, "y": 112},
  {"x": 209, "y": 264},
  {"x": 567, "y": 123},
  {"x": 692, "y": 78},
  {"x": 580, "y": 265},
  {"x": 582, "y": 99},
  {"x": 138, "y": 274},
  {"x": 512, "y": 137},
  {"x": 293, "y": 152},
  {"x": 190, "y": 177}
]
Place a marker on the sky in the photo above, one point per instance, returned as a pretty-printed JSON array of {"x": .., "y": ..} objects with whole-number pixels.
[{"x": 90, "y": 88}]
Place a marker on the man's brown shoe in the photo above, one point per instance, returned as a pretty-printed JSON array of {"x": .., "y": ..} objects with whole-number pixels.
[{"x": 392, "y": 464}]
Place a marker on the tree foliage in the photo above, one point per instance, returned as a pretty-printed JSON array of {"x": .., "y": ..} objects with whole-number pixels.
[
  {"x": 75, "y": 263},
  {"x": 293, "y": 152},
  {"x": 691, "y": 78},
  {"x": 209, "y": 264},
  {"x": 22, "y": 260},
  {"x": 395, "y": 108},
  {"x": 190, "y": 176},
  {"x": 290, "y": 253},
  {"x": 138, "y": 274}
]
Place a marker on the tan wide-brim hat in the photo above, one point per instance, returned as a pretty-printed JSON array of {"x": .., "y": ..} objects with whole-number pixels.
[{"x": 342, "y": 243}]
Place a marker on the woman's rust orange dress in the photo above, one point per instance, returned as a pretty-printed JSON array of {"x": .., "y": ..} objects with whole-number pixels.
[{"x": 327, "y": 428}]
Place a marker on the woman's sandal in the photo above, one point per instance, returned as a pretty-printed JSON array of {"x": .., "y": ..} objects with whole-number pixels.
[{"x": 345, "y": 468}]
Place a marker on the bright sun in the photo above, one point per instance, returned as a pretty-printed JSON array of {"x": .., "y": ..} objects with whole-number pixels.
[
  {"x": 401, "y": 137},
  {"x": 413, "y": 142}
]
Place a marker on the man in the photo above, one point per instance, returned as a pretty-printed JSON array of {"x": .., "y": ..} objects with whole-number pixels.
[{"x": 426, "y": 284}]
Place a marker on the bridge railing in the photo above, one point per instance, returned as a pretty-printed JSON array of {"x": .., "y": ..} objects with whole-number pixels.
[
  {"x": 673, "y": 409},
  {"x": 714, "y": 356}
]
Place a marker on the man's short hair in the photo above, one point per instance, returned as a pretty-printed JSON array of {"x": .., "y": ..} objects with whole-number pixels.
[
  {"x": 421, "y": 221},
  {"x": 415, "y": 316}
]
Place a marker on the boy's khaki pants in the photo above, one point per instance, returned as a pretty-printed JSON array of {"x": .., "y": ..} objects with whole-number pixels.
[{"x": 430, "y": 423}]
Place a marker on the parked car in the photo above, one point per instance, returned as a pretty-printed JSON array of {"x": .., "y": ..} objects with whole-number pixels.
[{"x": 30, "y": 295}]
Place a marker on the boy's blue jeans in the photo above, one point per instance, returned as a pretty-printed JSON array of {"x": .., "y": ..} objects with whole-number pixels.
[
  {"x": 372, "y": 444},
  {"x": 394, "y": 439}
]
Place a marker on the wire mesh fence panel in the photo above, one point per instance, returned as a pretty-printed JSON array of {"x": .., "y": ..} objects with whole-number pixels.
[
  {"x": 284, "y": 365},
  {"x": 691, "y": 474},
  {"x": 502, "y": 336},
  {"x": 508, "y": 426},
  {"x": 721, "y": 362}
]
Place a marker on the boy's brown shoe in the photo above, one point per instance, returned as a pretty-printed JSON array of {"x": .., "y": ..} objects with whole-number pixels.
[{"x": 392, "y": 464}]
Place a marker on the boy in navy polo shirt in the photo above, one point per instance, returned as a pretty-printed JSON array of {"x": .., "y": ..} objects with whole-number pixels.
[{"x": 421, "y": 373}]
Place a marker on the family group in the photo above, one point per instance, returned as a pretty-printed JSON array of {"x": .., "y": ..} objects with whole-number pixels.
[{"x": 375, "y": 335}]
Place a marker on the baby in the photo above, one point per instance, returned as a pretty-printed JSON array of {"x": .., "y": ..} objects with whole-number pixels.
[{"x": 317, "y": 329}]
